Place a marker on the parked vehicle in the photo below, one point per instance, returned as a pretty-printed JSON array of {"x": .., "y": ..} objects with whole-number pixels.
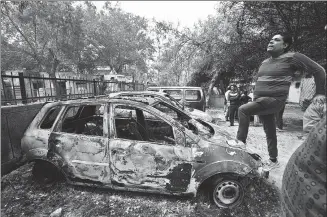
[
  {"x": 193, "y": 97},
  {"x": 129, "y": 145},
  {"x": 195, "y": 113}
]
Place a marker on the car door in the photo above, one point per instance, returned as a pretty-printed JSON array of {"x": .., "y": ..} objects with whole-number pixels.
[
  {"x": 80, "y": 140},
  {"x": 147, "y": 151}
]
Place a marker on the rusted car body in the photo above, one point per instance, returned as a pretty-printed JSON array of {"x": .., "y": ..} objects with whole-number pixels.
[
  {"x": 128, "y": 145},
  {"x": 195, "y": 113}
]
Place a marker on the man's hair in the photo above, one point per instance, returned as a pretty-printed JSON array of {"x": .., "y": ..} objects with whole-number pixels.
[{"x": 288, "y": 39}]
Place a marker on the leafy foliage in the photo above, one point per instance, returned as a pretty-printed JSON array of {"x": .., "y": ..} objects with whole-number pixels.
[
  {"x": 58, "y": 34},
  {"x": 231, "y": 44}
]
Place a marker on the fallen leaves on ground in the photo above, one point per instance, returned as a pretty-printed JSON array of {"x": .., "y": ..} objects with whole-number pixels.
[{"x": 21, "y": 196}]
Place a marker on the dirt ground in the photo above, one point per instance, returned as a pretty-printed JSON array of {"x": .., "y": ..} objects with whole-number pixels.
[{"x": 21, "y": 196}]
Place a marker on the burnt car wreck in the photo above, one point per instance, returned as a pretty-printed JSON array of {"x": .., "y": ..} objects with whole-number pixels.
[{"x": 128, "y": 145}]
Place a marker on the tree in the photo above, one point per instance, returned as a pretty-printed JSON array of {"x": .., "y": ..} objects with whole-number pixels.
[
  {"x": 246, "y": 27},
  {"x": 118, "y": 38}
]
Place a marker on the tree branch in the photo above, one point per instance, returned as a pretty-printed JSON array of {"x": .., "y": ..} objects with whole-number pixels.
[
  {"x": 283, "y": 16},
  {"x": 22, "y": 34}
]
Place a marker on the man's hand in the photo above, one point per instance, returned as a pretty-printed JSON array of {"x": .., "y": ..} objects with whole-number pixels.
[
  {"x": 319, "y": 99},
  {"x": 314, "y": 112},
  {"x": 228, "y": 103}
]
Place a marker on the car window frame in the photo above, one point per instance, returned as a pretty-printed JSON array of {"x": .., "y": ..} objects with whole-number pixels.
[
  {"x": 45, "y": 115},
  {"x": 58, "y": 127},
  {"x": 148, "y": 109},
  {"x": 176, "y": 109}
]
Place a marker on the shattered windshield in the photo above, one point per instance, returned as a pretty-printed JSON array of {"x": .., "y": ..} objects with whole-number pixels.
[{"x": 195, "y": 126}]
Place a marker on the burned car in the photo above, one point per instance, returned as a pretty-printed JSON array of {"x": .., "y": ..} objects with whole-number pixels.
[
  {"x": 195, "y": 113},
  {"x": 128, "y": 145}
]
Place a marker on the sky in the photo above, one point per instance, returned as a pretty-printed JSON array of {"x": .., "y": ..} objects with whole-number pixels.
[{"x": 185, "y": 12}]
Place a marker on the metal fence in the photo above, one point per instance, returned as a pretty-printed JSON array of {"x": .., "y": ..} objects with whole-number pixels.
[{"x": 21, "y": 89}]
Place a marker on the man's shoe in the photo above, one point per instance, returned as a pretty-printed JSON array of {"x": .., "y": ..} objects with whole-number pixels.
[
  {"x": 269, "y": 165},
  {"x": 236, "y": 143}
]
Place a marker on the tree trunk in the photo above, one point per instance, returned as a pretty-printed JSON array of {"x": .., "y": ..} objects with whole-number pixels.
[
  {"x": 52, "y": 74},
  {"x": 54, "y": 67}
]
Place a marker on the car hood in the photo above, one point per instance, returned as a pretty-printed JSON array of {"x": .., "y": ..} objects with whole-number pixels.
[
  {"x": 216, "y": 157},
  {"x": 218, "y": 142},
  {"x": 195, "y": 113}
]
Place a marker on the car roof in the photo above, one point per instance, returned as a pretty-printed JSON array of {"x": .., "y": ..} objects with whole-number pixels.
[
  {"x": 174, "y": 87},
  {"x": 100, "y": 99},
  {"x": 112, "y": 100},
  {"x": 150, "y": 93}
]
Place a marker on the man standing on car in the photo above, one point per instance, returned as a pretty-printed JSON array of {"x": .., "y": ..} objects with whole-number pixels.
[{"x": 272, "y": 87}]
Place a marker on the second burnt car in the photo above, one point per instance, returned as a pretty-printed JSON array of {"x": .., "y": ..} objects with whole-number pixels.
[
  {"x": 195, "y": 113},
  {"x": 128, "y": 145}
]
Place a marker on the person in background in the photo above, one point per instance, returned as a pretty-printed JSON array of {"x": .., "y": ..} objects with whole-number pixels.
[
  {"x": 251, "y": 93},
  {"x": 233, "y": 99},
  {"x": 239, "y": 89},
  {"x": 314, "y": 113},
  {"x": 112, "y": 85},
  {"x": 271, "y": 90},
  {"x": 102, "y": 85},
  {"x": 304, "y": 181},
  {"x": 245, "y": 98},
  {"x": 226, "y": 104},
  {"x": 307, "y": 91}
]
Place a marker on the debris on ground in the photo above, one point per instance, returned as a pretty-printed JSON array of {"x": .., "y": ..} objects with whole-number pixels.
[{"x": 56, "y": 213}]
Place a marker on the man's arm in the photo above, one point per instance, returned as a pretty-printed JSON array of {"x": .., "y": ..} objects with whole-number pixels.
[
  {"x": 304, "y": 63},
  {"x": 227, "y": 95}
]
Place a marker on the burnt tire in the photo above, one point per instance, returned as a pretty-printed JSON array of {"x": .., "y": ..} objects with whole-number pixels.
[
  {"x": 46, "y": 173},
  {"x": 227, "y": 192}
]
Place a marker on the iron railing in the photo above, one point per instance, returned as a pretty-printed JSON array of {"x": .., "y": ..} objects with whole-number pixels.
[{"x": 21, "y": 89}]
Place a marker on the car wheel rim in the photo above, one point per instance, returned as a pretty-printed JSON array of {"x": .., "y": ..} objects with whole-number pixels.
[{"x": 226, "y": 193}]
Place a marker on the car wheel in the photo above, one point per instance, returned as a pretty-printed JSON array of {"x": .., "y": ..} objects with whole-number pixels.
[
  {"x": 227, "y": 192},
  {"x": 45, "y": 173}
]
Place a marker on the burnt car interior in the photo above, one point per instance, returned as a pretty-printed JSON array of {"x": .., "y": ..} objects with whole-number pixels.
[
  {"x": 84, "y": 119},
  {"x": 135, "y": 124}
]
